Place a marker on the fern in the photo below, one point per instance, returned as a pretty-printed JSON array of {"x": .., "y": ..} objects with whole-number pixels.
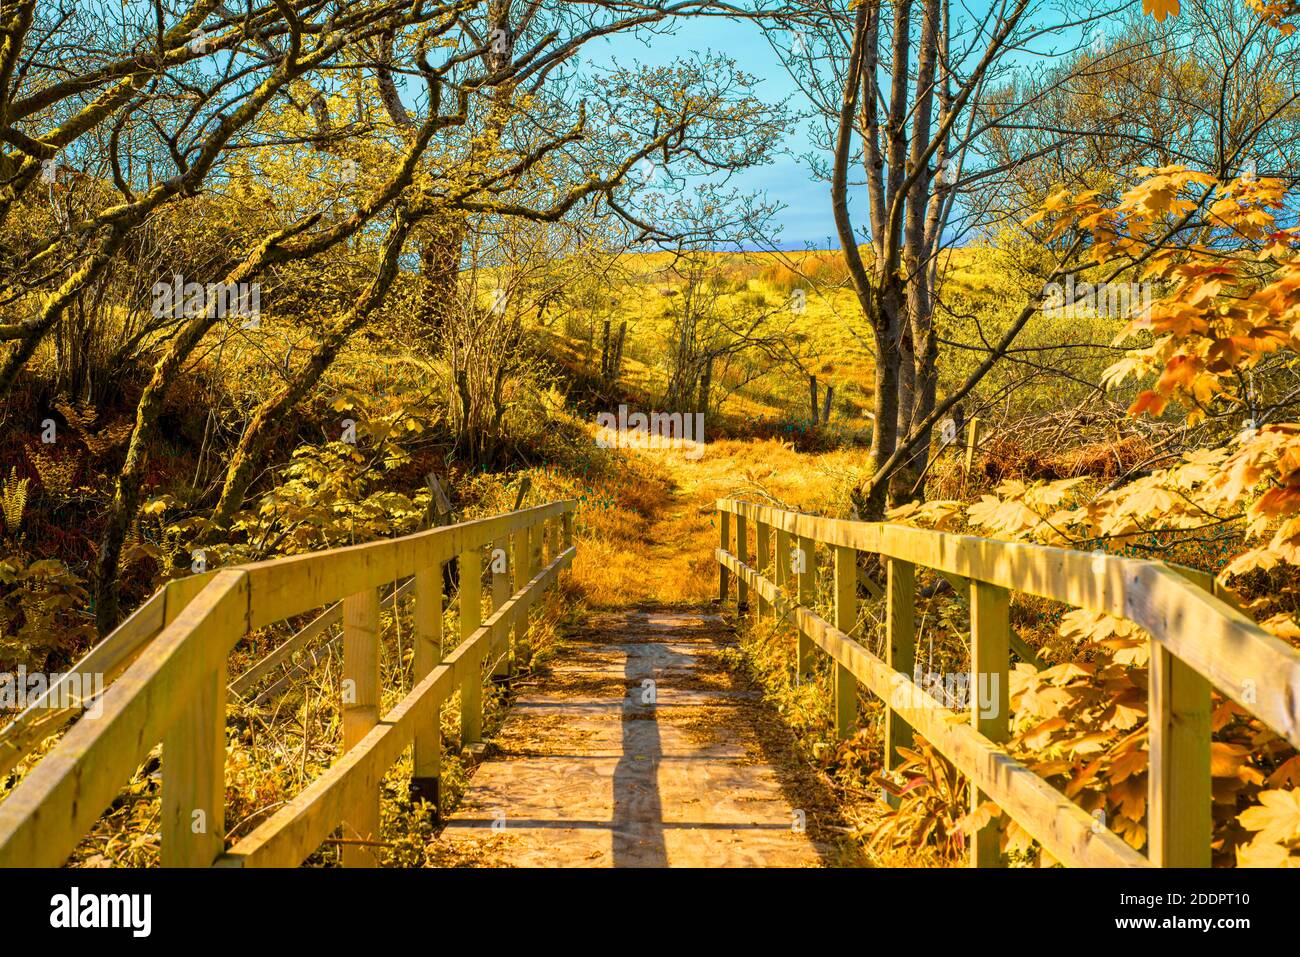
[
  {"x": 81, "y": 419},
  {"x": 13, "y": 501},
  {"x": 56, "y": 475}
]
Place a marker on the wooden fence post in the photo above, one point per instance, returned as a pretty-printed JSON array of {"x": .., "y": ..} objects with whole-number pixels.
[
  {"x": 762, "y": 532},
  {"x": 522, "y": 576},
  {"x": 805, "y": 659},
  {"x": 1179, "y": 800},
  {"x": 900, "y": 625},
  {"x": 536, "y": 534},
  {"x": 724, "y": 542},
  {"x": 566, "y": 525},
  {"x": 471, "y": 616},
  {"x": 972, "y": 443},
  {"x": 360, "y": 714},
  {"x": 782, "y": 569},
  {"x": 846, "y": 620},
  {"x": 499, "y": 562},
  {"x": 427, "y": 758},
  {"x": 742, "y": 555},
  {"x": 193, "y": 826},
  {"x": 990, "y": 654}
]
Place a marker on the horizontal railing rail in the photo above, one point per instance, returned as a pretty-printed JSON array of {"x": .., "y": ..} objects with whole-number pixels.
[
  {"x": 170, "y": 659},
  {"x": 322, "y": 624},
  {"x": 1198, "y": 642},
  {"x": 47, "y": 715}
]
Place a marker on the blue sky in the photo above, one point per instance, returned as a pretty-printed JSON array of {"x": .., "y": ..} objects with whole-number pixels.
[{"x": 806, "y": 218}]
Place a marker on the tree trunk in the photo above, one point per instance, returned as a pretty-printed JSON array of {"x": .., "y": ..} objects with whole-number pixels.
[
  {"x": 128, "y": 490},
  {"x": 441, "y": 279},
  {"x": 906, "y": 370},
  {"x": 604, "y": 355},
  {"x": 239, "y": 474},
  {"x": 706, "y": 384},
  {"x": 440, "y": 254},
  {"x": 466, "y": 410},
  {"x": 616, "y": 366},
  {"x": 918, "y": 359},
  {"x": 884, "y": 436}
]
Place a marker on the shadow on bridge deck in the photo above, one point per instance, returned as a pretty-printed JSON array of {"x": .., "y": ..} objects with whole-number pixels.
[{"x": 642, "y": 750}]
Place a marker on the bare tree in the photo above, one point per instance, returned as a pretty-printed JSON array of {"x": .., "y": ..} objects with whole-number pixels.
[{"x": 903, "y": 95}]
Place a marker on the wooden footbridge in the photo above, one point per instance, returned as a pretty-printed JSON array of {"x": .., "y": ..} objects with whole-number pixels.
[{"x": 167, "y": 682}]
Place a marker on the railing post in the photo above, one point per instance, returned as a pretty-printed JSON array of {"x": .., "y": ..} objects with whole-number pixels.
[
  {"x": 805, "y": 660},
  {"x": 536, "y": 536},
  {"x": 427, "y": 763},
  {"x": 471, "y": 616},
  {"x": 742, "y": 555},
  {"x": 500, "y": 565},
  {"x": 360, "y": 714},
  {"x": 990, "y": 654},
  {"x": 900, "y": 625},
  {"x": 724, "y": 542},
  {"x": 519, "y": 566},
  {"x": 782, "y": 568},
  {"x": 762, "y": 532},
  {"x": 193, "y": 827},
  {"x": 972, "y": 443},
  {"x": 566, "y": 526},
  {"x": 846, "y": 620},
  {"x": 1179, "y": 801}
]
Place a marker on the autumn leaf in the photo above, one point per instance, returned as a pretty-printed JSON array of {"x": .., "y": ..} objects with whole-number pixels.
[
  {"x": 1160, "y": 8},
  {"x": 1148, "y": 401},
  {"x": 1227, "y": 759},
  {"x": 1288, "y": 772},
  {"x": 978, "y": 818},
  {"x": 1276, "y": 817},
  {"x": 1126, "y": 765}
]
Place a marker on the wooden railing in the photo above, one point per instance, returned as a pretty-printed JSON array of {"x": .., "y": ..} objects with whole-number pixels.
[
  {"x": 1198, "y": 642},
  {"x": 167, "y": 665}
]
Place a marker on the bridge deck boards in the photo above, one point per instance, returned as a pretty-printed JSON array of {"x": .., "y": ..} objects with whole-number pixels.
[{"x": 591, "y": 770}]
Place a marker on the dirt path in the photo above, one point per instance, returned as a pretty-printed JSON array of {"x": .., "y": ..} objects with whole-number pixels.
[
  {"x": 644, "y": 745},
  {"x": 642, "y": 749}
]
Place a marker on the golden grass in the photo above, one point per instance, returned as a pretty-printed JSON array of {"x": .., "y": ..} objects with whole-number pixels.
[
  {"x": 652, "y": 538},
  {"x": 825, "y": 325}
]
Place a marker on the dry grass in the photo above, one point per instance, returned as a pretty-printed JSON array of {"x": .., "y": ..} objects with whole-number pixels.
[{"x": 649, "y": 535}]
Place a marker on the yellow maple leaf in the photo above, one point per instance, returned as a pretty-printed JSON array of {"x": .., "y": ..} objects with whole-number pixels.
[
  {"x": 1265, "y": 854},
  {"x": 1276, "y": 817},
  {"x": 1160, "y": 8}
]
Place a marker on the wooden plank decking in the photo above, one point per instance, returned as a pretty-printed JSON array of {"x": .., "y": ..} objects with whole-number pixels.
[{"x": 595, "y": 767}]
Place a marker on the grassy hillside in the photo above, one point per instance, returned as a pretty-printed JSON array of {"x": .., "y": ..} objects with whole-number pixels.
[{"x": 806, "y": 296}]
